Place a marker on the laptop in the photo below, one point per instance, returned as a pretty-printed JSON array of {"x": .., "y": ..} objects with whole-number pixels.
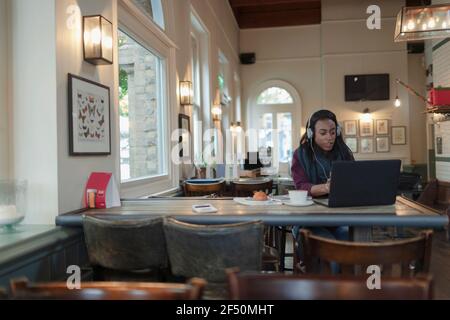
[{"x": 362, "y": 183}]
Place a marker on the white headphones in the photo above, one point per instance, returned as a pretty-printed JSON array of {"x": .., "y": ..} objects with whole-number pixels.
[{"x": 310, "y": 132}]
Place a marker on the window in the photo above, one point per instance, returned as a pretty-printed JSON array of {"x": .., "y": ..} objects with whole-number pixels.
[
  {"x": 274, "y": 95},
  {"x": 274, "y": 106},
  {"x": 141, "y": 111},
  {"x": 153, "y": 9},
  {"x": 200, "y": 79},
  {"x": 196, "y": 109}
]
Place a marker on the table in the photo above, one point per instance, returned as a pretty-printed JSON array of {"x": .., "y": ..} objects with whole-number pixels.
[{"x": 404, "y": 213}]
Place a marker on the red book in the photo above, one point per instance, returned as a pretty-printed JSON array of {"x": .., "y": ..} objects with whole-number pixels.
[{"x": 102, "y": 187}]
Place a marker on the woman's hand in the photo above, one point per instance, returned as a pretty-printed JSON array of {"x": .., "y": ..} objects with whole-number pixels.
[{"x": 320, "y": 189}]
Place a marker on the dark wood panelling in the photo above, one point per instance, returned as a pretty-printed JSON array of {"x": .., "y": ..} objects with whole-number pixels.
[{"x": 276, "y": 13}]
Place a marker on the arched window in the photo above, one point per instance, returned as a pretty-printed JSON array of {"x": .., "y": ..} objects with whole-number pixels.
[
  {"x": 274, "y": 95},
  {"x": 154, "y": 9}
]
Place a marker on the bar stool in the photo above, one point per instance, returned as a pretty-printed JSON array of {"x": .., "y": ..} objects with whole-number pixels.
[{"x": 192, "y": 189}]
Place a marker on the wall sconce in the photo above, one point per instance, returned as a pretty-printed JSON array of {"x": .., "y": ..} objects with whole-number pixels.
[
  {"x": 97, "y": 40},
  {"x": 238, "y": 127},
  {"x": 186, "y": 93},
  {"x": 422, "y": 22},
  {"x": 366, "y": 116},
  {"x": 216, "y": 112}
]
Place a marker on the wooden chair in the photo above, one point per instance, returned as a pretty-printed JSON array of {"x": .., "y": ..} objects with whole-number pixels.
[
  {"x": 126, "y": 250},
  {"x": 247, "y": 189},
  {"x": 192, "y": 290},
  {"x": 259, "y": 286},
  {"x": 203, "y": 189},
  {"x": 436, "y": 195},
  {"x": 207, "y": 250},
  {"x": 398, "y": 258}
]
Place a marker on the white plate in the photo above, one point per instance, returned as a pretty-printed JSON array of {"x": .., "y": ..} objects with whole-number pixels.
[{"x": 303, "y": 204}]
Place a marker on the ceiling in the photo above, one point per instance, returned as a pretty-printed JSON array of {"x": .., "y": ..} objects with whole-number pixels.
[
  {"x": 280, "y": 13},
  {"x": 275, "y": 13}
]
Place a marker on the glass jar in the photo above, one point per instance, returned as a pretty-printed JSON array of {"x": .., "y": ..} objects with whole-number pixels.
[{"x": 12, "y": 202}]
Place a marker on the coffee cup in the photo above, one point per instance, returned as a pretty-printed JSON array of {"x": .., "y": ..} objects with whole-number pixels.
[{"x": 298, "y": 196}]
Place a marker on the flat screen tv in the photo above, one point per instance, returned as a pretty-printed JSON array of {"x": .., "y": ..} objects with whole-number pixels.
[{"x": 367, "y": 87}]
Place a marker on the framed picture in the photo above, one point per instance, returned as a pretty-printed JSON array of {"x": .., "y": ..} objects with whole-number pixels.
[
  {"x": 352, "y": 143},
  {"x": 184, "y": 125},
  {"x": 366, "y": 145},
  {"x": 382, "y": 126},
  {"x": 382, "y": 144},
  {"x": 398, "y": 135},
  {"x": 366, "y": 128},
  {"x": 350, "y": 128},
  {"x": 89, "y": 117}
]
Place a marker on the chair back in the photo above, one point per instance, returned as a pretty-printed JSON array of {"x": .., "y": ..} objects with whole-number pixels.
[
  {"x": 436, "y": 195},
  {"x": 203, "y": 189},
  {"x": 259, "y": 286},
  {"x": 125, "y": 245},
  {"x": 207, "y": 250},
  {"x": 396, "y": 258},
  {"x": 247, "y": 189},
  {"x": 22, "y": 289}
]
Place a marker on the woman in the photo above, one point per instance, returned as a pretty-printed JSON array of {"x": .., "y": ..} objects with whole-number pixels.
[{"x": 311, "y": 164}]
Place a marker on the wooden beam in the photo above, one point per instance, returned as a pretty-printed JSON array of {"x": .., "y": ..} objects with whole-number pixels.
[
  {"x": 256, "y": 3},
  {"x": 279, "y": 18}
]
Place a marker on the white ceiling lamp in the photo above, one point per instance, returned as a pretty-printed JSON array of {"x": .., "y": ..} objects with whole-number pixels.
[{"x": 424, "y": 22}]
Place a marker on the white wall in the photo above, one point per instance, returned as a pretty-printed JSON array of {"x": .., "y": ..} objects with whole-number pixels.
[
  {"x": 292, "y": 56},
  {"x": 314, "y": 59},
  {"x": 4, "y": 134},
  {"x": 73, "y": 171},
  {"x": 34, "y": 126}
]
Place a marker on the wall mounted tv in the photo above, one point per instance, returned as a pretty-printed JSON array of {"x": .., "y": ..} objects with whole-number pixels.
[{"x": 367, "y": 87}]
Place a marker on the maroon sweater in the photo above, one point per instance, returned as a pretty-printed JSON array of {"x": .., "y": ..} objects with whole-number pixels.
[{"x": 299, "y": 176}]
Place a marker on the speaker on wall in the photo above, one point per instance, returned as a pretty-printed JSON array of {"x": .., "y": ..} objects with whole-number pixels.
[{"x": 247, "y": 58}]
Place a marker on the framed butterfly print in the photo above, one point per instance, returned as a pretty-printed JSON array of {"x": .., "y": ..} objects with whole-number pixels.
[{"x": 89, "y": 117}]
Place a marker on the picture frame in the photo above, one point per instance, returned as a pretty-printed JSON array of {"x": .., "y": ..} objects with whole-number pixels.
[
  {"x": 382, "y": 144},
  {"x": 366, "y": 145},
  {"x": 398, "y": 134},
  {"x": 366, "y": 128},
  {"x": 382, "y": 126},
  {"x": 89, "y": 117},
  {"x": 184, "y": 124},
  {"x": 350, "y": 128},
  {"x": 352, "y": 143}
]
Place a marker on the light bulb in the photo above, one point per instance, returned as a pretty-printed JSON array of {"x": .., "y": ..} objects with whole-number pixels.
[
  {"x": 366, "y": 116},
  {"x": 108, "y": 42},
  {"x": 431, "y": 23},
  {"x": 424, "y": 26},
  {"x": 397, "y": 102},
  {"x": 96, "y": 36},
  {"x": 216, "y": 110},
  {"x": 444, "y": 25},
  {"x": 411, "y": 25}
]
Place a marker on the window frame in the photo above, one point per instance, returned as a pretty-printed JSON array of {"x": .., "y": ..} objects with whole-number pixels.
[
  {"x": 145, "y": 31},
  {"x": 255, "y": 110}
]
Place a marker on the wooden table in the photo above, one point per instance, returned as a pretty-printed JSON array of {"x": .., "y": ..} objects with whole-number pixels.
[{"x": 404, "y": 213}]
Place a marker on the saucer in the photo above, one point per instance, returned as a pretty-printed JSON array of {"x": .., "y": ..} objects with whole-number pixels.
[{"x": 302, "y": 204}]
